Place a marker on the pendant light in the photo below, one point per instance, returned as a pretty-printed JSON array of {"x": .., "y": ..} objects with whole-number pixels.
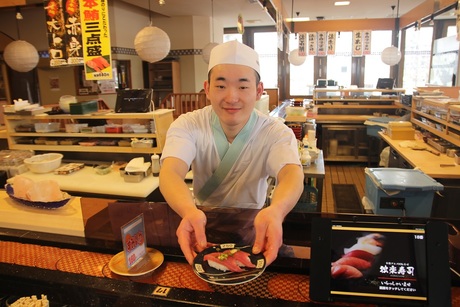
[
  {"x": 206, "y": 52},
  {"x": 152, "y": 44},
  {"x": 391, "y": 55},
  {"x": 20, "y": 55},
  {"x": 294, "y": 58}
]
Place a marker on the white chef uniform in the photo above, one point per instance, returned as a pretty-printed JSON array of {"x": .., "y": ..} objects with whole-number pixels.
[{"x": 270, "y": 146}]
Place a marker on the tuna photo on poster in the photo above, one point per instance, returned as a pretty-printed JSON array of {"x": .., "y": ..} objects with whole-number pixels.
[{"x": 376, "y": 262}]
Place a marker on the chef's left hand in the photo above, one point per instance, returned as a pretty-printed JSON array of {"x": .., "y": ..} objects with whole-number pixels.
[{"x": 269, "y": 233}]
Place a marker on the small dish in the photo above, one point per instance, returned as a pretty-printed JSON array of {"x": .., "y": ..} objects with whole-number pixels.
[
  {"x": 205, "y": 271},
  {"x": 148, "y": 264},
  {"x": 103, "y": 169}
]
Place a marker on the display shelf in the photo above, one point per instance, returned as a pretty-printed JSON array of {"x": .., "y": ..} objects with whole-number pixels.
[
  {"x": 359, "y": 101},
  {"x": 436, "y": 121},
  {"x": 162, "y": 118}
]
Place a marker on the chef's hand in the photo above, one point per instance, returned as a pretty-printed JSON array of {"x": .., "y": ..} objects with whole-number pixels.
[
  {"x": 269, "y": 233},
  {"x": 191, "y": 234}
]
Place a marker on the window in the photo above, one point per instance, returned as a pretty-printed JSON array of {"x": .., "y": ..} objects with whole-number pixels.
[
  {"x": 374, "y": 67},
  {"x": 339, "y": 65},
  {"x": 417, "y": 56},
  {"x": 266, "y": 45},
  {"x": 301, "y": 81},
  {"x": 233, "y": 36}
]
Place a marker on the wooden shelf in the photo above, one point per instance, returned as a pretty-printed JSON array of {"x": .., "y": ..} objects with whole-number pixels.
[
  {"x": 162, "y": 118},
  {"x": 450, "y": 131}
]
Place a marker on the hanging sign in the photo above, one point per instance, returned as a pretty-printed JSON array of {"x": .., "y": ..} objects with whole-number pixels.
[
  {"x": 312, "y": 43},
  {"x": 64, "y": 32},
  {"x": 367, "y": 38},
  {"x": 96, "y": 39},
  {"x": 302, "y": 44},
  {"x": 331, "y": 40},
  {"x": 357, "y": 43},
  {"x": 322, "y": 44},
  {"x": 457, "y": 21}
]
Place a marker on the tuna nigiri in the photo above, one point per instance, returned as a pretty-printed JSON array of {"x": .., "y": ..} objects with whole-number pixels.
[{"x": 229, "y": 260}]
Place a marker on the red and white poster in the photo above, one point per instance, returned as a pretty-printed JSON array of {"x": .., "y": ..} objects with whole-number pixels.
[
  {"x": 357, "y": 43},
  {"x": 322, "y": 44},
  {"x": 367, "y": 39},
  {"x": 312, "y": 43},
  {"x": 331, "y": 40},
  {"x": 302, "y": 44}
]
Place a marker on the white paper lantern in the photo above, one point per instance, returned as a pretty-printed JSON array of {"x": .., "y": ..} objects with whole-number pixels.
[
  {"x": 295, "y": 58},
  {"x": 21, "y": 56},
  {"x": 207, "y": 51},
  {"x": 391, "y": 55},
  {"x": 152, "y": 44}
]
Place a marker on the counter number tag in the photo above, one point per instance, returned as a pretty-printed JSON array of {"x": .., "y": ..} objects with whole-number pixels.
[
  {"x": 161, "y": 291},
  {"x": 134, "y": 243}
]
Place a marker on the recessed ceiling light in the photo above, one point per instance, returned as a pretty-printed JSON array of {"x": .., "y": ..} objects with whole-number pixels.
[{"x": 341, "y": 3}]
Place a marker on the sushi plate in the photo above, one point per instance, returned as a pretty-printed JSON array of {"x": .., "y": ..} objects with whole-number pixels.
[
  {"x": 205, "y": 271},
  {"x": 150, "y": 263}
]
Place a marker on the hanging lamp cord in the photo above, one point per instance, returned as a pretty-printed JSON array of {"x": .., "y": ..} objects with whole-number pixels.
[
  {"x": 150, "y": 14},
  {"x": 212, "y": 17}
]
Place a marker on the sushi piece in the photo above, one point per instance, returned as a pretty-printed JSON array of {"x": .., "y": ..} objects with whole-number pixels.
[
  {"x": 345, "y": 271},
  {"x": 229, "y": 260},
  {"x": 218, "y": 261},
  {"x": 242, "y": 259},
  {"x": 358, "y": 258}
]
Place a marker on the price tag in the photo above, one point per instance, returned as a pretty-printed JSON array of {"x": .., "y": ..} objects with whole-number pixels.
[{"x": 133, "y": 237}]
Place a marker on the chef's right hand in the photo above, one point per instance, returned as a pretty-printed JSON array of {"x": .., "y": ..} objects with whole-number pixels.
[{"x": 191, "y": 234}]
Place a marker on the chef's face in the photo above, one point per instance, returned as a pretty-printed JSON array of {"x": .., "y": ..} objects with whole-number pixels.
[{"x": 233, "y": 91}]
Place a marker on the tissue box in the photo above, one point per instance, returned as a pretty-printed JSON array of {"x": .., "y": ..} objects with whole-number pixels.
[
  {"x": 401, "y": 130},
  {"x": 83, "y": 107},
  {"x": 135, "y": 176}
]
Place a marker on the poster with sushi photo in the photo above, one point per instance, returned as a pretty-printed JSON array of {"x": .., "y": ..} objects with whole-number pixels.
[{"x": 372, "y": 262}]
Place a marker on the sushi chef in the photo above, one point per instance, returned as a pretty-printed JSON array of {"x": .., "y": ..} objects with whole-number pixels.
[{"x": 232, "y": 149}]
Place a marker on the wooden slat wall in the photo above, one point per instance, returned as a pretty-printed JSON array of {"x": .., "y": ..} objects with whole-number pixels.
[{"x": 342, "y": 174}]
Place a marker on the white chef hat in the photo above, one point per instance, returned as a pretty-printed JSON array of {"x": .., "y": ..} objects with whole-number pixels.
[{"x": 234, "y": 52}]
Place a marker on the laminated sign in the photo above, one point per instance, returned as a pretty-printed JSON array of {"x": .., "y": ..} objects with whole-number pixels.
[{"x": 96, "y": 39}]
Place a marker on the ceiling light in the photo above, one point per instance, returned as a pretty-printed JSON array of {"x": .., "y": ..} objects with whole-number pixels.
[
  {"x": 297, "y": 19},
  {"x": 161, "y": 2},
  {"x": 18, "y": 13},
  {"x": 341, "y": 3}
]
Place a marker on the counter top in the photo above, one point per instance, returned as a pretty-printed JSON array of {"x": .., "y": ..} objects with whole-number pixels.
[
  {"x": 67, "y": 220},
  {"x": 427, "y": 162},
  {"x": 87, "y": 181}
]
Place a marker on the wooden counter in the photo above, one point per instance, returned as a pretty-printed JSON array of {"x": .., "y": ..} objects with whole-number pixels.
[{"x": 427, "y": 162}]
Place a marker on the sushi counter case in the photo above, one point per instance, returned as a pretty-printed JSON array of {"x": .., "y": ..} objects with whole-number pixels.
[{"x": 75, "y": 270}]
